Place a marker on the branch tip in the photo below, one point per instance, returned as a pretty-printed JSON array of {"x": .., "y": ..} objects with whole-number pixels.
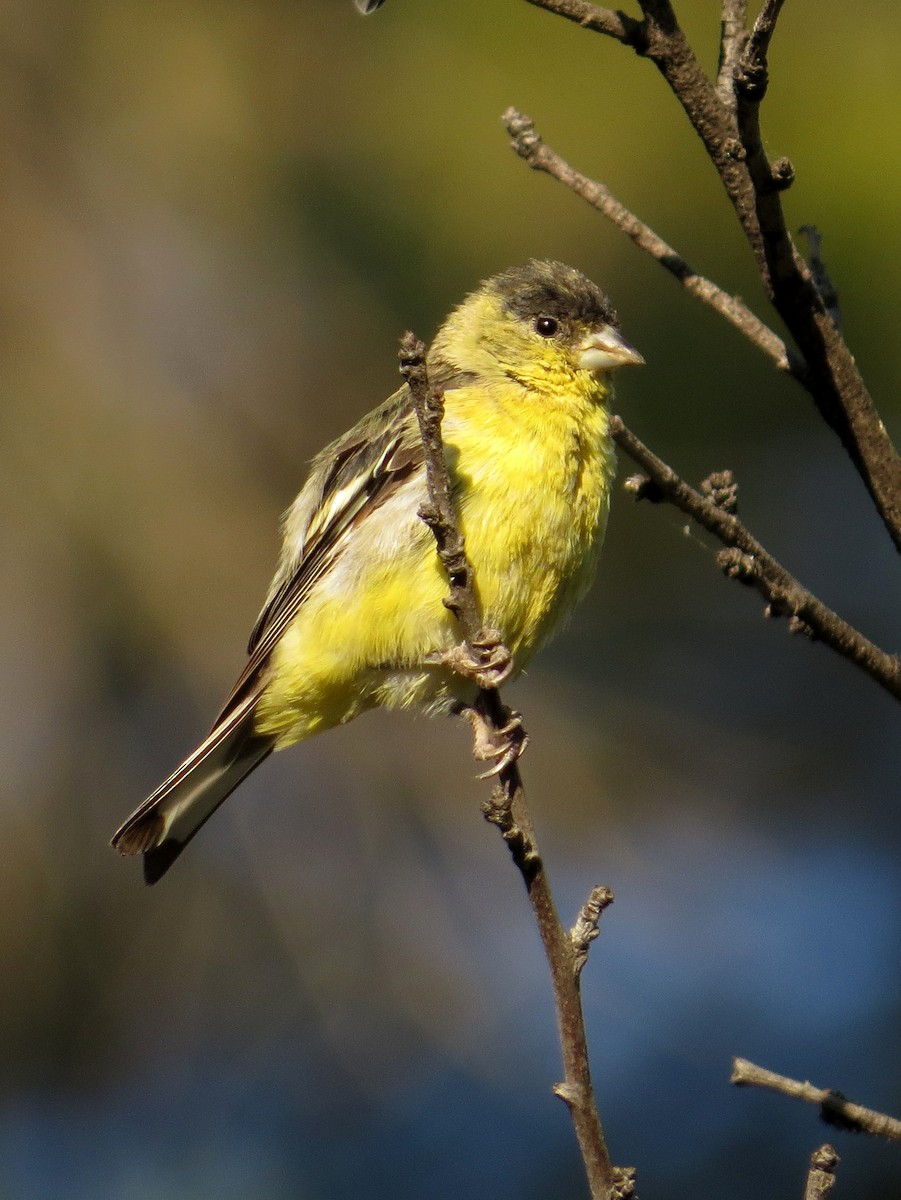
[
  {"x": 821, "y": 1175},
  {"x": 642, "y": 487},
  {"x": 566, "y": 1093},
  {"x": 530, "y": 146},
  {"x": 624, "y": 1179},
  {"x": 782, "y": 172},
  {"x": 587, "y": 925}
]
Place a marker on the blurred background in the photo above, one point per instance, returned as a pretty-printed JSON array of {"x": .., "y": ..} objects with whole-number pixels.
[{"x": 217, "y": 218}]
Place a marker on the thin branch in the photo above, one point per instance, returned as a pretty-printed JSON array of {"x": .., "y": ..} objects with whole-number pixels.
[
  {"x": 530, "y": 146},
  {"x": 753, "y": 186},
  {"x": 507, "y": 807},
  {"x": 439, "y": 512},
  {"x": 713, "y": 121},
  {"x": 834, "y": 1108},
  {"x": 834, "y": 381},
  {"x": 821, "y": 1175},
  {"x": 659, "y": 39},
  {"x": 732, "y": 39},
  {"x": 751, "y": 80},
  {"x": 591, "y": 16},
  {"x": 747, "y": 560},
  {"x": 762, "y": 33}
]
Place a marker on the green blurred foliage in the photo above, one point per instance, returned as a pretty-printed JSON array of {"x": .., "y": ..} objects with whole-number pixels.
[{"x": 217, "y": 217}]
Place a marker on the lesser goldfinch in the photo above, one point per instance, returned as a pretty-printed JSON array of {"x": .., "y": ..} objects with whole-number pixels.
[{"x": 354, "y": 617}]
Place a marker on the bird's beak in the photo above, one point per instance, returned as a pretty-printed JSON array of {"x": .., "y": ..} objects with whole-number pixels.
[{"x": 605, "y": 350}]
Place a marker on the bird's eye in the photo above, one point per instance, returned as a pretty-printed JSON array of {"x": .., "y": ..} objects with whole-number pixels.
[{"x": 546, "y": 326}]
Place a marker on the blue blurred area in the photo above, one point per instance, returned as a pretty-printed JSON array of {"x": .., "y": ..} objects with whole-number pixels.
[
  {"x": 764, "y": 958},
  {"x": 217, "y": 219}
]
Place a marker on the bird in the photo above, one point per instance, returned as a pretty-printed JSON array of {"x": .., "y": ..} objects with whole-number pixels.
[
  {"x": 354, "y": 618},
  {"x": 368, "y": 6}
]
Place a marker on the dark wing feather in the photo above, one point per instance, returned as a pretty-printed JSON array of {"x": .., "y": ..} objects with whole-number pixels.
[{"x": 348, "y": 480}]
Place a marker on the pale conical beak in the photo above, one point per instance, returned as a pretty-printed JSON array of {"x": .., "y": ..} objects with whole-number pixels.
[{"x": 605, "y": 350}]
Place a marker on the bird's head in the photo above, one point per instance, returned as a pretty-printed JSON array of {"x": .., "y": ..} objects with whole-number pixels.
[{"x": 543, "y": 325}]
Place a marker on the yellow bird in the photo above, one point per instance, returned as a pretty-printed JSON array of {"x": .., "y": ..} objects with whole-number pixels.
[{"x": 354, "y": 618}]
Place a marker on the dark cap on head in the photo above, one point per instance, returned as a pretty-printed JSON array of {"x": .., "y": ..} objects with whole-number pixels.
[{"x": 553, "y": 289}]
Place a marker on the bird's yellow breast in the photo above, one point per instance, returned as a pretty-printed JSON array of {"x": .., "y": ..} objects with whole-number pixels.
[
  {"x": 533, "y": 474},
  {"x": 531, "y": 477}
]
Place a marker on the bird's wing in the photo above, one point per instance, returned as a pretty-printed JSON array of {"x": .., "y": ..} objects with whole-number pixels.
[{"x": 347, "y": 481}]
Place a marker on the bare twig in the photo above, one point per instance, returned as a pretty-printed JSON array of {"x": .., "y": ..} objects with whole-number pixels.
[
  {"x": 732, "y": 38},
  {"x": 659, "y": 38},
  {"x": 439, "y": 513},
  {"x": 713, "y": 121},
  {"x": 751, "y": 79},
  {"x": 592, "y": 16},
  {"x": 834, "y": 1108},
  {"x": 834, "y": 381},
  {"x": 821, "y": 1176},
  {"x": 507, "y": 807},
  {"x": 764, "y": 27},
  {"x": 753, "y": 186},
  {"x": 529, "y": 145},
  {"x": 747, "y": 560}
]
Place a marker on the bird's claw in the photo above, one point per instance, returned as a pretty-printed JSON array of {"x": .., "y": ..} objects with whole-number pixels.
[
  {"x": 503, "y": 746},
  {"x": 487, "y": 662}
]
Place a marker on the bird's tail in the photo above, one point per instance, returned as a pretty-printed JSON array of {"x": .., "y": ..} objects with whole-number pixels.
[{"x": 167, "y": 820}]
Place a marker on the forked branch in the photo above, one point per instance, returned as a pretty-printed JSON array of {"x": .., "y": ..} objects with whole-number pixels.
[{"x": 725, "y": 115}]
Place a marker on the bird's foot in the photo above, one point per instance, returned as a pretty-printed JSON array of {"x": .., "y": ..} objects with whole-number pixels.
[
  {"x": 487, "y": 662},
  {"x": 499, "y": 746}
]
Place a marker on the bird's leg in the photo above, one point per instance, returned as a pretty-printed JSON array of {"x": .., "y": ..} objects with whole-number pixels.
[
  {"x": 487, "y": 662},
  {"x": 503, "y": 746}
]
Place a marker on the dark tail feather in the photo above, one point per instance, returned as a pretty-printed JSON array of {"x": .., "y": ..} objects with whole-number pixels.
[{"x": 167, "y": 820}]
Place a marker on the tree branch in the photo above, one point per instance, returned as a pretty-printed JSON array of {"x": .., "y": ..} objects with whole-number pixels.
[
  {"x": 764, "y": 27},
  {"x": 753, "y": 186},
  {"x": 748, "y": 561},
  {"x": 732, "y": 38},
  {"x": 438, "y": 513},
  {"x": 591, "y": 16},
  {"x": 530, "y": 146},
  {"x": 507, "y": 807},
  {"x": 834, "y": 1108}
]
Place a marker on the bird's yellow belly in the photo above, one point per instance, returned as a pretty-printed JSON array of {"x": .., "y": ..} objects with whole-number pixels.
[
  {"x": 550, "y": 526},
  {"x": 364, "y": 636}
]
